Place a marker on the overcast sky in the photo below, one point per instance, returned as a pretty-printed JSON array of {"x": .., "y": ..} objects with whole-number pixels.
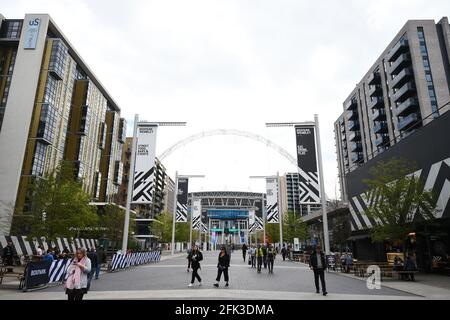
[{"x": 231, "y": 64}]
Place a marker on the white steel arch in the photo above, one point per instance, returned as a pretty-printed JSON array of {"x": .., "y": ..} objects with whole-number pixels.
[{"x": 230, "y": 132}]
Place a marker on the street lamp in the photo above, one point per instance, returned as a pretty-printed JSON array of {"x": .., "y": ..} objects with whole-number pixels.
[
  {"x": 319, "y": 160},
  {"x": 280, "y": 214},
  {"x": 175, "y": 196},
  {"x": 126, "y": 224}
]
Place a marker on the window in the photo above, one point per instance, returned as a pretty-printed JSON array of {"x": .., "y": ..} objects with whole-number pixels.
[
  {"x": 39, "y": 159},
  {"x": 428, "y": 76},
  {"x": 13, "y": 29}
]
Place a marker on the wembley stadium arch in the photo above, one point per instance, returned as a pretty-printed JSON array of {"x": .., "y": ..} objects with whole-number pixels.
[{"x": 225, "y": 215}]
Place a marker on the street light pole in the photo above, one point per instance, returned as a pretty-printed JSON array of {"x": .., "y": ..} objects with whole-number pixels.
[
  {"x": 322, "y": 188},
  {"x": 280, "y": 212},
  {"x": 175, "y": 205},
  {"x": 126, "y": 225}
]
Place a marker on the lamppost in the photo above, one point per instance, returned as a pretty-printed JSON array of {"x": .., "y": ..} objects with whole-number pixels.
[
  {"x": 126, "y": 224},
  {"x": 175, "y": 196},
  {"x": 280, "y": 214},
  {"x": 321, "y": 179}
]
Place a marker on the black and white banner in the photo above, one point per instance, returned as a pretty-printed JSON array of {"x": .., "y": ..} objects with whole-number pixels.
[
  {"x": 36, "y": 274},
  {"x": 309, "y": 190},
  {"x": 196, "y": 214},
  {"x": 144, "y": 165},
  {"x": 272, "y": 200},
  {"x": 122, "y": 261},
  {"x": 28, "y": 247},
  {"x": 182, "y": 200}
]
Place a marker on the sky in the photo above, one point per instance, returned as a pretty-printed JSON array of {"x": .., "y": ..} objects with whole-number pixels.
[{"x": 233, "y": 64}]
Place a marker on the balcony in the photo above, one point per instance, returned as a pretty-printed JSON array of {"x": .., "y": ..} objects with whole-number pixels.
[
  {"x": 344, "y": 145},
  {"x": 376, "y": 102},
  {"x": 404, "y": 92},
  {"x": 353, "y": 126},
  {"x": 342, "y": 128},
  {"x": 354, "y": 136},
  {"x": 122, "y": 130},
  {"x": 343, "y": 137},
  {"x": 379, "y": 114},
  {"x": 352, "y": 115},
  {"x": 407, "y": 107},
  {"x": 375, "y": 90},
  {"x": 355, "y": 146},
  {"x": 357, "y": 157},
  {"x": 380, "y": 127},
  {"x": 401, "y": 63},
  {"x": 408, "y": 122},
  {"x": 374, "y": 78},
  {"x": 381, "y": 140},
  {"x": 398, "y": 49},
  {"x": 351, "y": 105},
  {"x": 401, "y": 78}
]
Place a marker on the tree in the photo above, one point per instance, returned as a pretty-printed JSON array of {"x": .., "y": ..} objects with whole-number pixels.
[
  {"x": 293, "y": 227},
  {"x": 58, "y": 205},
  {"x": 341, "y": 230},
  {"x": 113, "y": 220},
  {"x": 162, "y": 228},
  {"x": 398, "y": 200}
]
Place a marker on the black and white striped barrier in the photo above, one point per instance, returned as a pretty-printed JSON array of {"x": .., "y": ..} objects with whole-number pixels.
[
  {"x": 26, "y": 247},
  {"x": 58, "y": 269},
  {"x": 122, "y": 261}
]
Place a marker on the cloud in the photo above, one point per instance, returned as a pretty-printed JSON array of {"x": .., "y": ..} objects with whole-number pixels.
[{"x": 231, "y": 64}]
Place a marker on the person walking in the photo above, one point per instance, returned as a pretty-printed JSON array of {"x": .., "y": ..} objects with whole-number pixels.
[
  {"x": 189, "y": 253},
  {"x": 264, "y": 249},
  {"x": 77, "y": 281},
  {"x": 101, "y": 259},
  {"x": 259, "y": 257},
  {"x": 195, "y": 257},
  {"x": 92, "y": 255},
  {"x": 410, "y": 266},
  {"x": 222, "y": 267},
  {"x": 283, "y": 252},
  {"x": 244, "y": 251},
  {"x": 271, "y": 253},
  {"x": 253, "y": 256},
  {"x": 317, "y": 264}
]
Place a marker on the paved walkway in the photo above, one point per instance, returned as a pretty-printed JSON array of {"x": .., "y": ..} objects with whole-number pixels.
[{"x": 168, "y": 279}]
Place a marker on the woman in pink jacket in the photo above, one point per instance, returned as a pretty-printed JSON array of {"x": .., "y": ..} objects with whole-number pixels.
[{"x": 78, "y": 271}]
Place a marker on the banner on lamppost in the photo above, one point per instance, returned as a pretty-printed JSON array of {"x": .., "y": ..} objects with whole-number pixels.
[
  {"x": 182, "y": 200},
  {"x": 145, "y": 164},
  {"x": 196, "y": 214},
  {"x": 272, "y": 200},
  {"x": 309, "y": 190},
  {"x": 251, "y": 217}
]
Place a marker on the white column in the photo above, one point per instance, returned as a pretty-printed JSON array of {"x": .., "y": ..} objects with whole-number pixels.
[
  {"x": 322, "y": 188},
  {"x": 280, "y": 211},
  {"x": 126, "y": 225},
  {"x": 174, "y": 211}
]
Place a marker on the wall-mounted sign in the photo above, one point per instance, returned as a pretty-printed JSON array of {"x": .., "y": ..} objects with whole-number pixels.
[{"x": 31, "y": 33}]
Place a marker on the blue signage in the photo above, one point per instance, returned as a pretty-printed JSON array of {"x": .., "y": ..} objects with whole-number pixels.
[{"x": 227, "y": 214}]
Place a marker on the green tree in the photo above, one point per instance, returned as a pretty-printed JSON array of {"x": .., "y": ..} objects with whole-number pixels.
[
  {"x": 293, "y": 227},
  {"x": 162, "y": 228},
  {"x": 398, "y": 199},
  {"x": 113, "y": 220},
  {"x": 59, "y": 205}
]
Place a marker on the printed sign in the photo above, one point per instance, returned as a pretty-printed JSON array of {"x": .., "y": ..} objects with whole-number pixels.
[
  {"x": 37, "y": 274},
  {"x": 31, "y": 33},
  {"x": 144, "y": 164},
  {"x": 309, "y": 191},
  {"x": 272, "y": 200},
  {"x": 182, "y": 200}
]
